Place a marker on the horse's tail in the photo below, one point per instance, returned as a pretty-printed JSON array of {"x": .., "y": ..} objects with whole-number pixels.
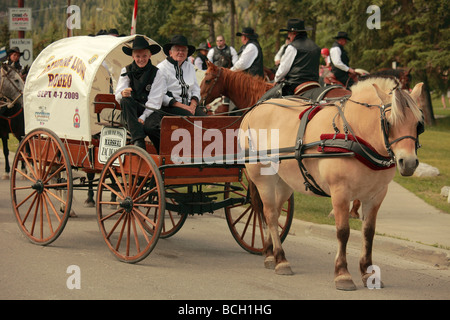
[{"x": 255, "y": 200}]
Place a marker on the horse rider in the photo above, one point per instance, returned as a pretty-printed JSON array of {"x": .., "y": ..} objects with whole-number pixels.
[
  {"x": 13, "y": 59},
  {"x": 340, "y": 60},
  {"x": 299, "y": 64},
  {"x": 223, "y": 55},
  {"x": 141, "y": 86},
  {"x": 183, "y": 91},
  {"x": 200, "y": 60},
  {"x": 250, "y": 55}
]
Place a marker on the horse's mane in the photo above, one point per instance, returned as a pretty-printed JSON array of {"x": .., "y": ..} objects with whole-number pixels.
[{"x": 400, "y": 98}]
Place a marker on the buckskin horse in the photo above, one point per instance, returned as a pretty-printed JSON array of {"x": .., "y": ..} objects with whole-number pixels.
[
  {"x": 11, "y": 110},
  {"x": 347, "y": 149}
]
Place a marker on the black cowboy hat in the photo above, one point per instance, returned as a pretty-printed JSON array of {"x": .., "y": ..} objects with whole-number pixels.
[
  {"x": 296, "y": 25},
  {"x": 178, "y": 40},
  {"x": 140, "y": 42},
  {"x": 248, "y": 32},
  {"x": 12, "y": 50},
  {"x": 342, "y": 35}
]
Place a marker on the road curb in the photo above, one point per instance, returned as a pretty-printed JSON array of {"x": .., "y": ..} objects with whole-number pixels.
[{"x": 403, "y": 248}]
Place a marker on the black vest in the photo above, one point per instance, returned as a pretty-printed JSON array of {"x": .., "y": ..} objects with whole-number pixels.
[
  {"x": 222, "y": 57},
  {"x": 257, "y": 67},
  {"x": 344, "y": 58},
  {"x": 141, "y": 83},
  {"x": 204, "y": 59},
  {"x": 305, "y": 66}
]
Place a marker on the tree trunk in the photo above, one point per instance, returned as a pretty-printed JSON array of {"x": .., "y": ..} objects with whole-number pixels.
[
  {"x": 233, "y": 23},
  {"x": 425, "y": 100},
  {"x": 212, "y": 34}
]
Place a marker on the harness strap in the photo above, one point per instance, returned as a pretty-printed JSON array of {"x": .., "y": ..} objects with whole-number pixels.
[{"x": 309, "y": 183}]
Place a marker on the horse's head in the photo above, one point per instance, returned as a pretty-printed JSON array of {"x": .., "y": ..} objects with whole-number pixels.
[
  {"x": 210, "y": 87},
  {"x": 11, "y": 86},
  {"x": 402, "y": 123}
]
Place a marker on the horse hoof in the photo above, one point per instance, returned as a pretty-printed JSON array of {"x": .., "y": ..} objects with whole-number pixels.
[
  {"x": 269, "y": 262},
  {"x": 72, "y": 214},
  {"x": 89, "y": 204},
  {"x": 345, "y": 283},
  {"x": 283, "y": 269},
  {"x": 5, "y": 177}
]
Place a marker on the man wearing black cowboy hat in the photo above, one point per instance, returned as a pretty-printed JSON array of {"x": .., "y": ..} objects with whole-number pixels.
[
  {"x": 13, "y": 59},
  {"x": 250, "y": 55},
  {"x": 140, "y": 91},
  {"x": 340, "y": 60},
  {"x": 300, "y": 62},
  {"x": 183, "y": 92}
]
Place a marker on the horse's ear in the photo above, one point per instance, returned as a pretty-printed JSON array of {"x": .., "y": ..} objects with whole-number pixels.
[
  {"x": 384, "y": 97},
  {"x": 417, "y": 92},
  {"x": 209, "y": 64}
]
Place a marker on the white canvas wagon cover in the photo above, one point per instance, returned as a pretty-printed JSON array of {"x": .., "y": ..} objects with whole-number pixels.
[{"x": 65, "y": 78}]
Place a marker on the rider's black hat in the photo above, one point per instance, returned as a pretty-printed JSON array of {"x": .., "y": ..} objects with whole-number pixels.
[
  {"x": 140, "y": 42},
  {"x": 342, "y": 35},
  {"x": 179, "y": 40},
  {"x": 296, "y": 25},
  {"x": 248, "y": 32}
]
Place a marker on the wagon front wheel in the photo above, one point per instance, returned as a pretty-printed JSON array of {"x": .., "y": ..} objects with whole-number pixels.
[
  {"x": 41, "y": 186},
  {"x": 132, "y": 175}
]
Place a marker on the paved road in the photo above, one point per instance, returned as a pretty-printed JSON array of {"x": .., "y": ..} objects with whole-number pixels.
[{"x": 201, "y": 262}]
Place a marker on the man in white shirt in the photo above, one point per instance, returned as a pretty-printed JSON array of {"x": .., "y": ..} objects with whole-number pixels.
[
  {"x": 183, "y": 92},
  {"x": 340, "y": 60},
  {"x": 140, "y": 91},
  {"x": 300, "y": 62},
  {"x": 251, "y": 55}
]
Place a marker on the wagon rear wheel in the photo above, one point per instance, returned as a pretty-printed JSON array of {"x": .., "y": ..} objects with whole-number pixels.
[
  {"x": 246, "y": 224},
  {"x": 132, "y": 175},
  {"x": 41, "y": 186}
]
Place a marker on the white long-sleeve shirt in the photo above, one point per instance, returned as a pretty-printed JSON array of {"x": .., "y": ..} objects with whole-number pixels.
[
  {"x": 246, "y": 58},
  {"x": 182, "y": 83},
  {"x": 335, "y": 55},
  {"x": 286, "y": 63},
  {"x": 155, "y": 96}
]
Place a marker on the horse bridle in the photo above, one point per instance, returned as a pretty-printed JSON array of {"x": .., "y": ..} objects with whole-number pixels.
[
  {"x": 9, "y": 101},
  {"x": 385, "y": 127},
  {"x": 202, "y": 102}
]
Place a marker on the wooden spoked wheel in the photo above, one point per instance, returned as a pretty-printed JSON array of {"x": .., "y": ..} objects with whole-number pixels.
[
  {"x": 131, "y": 225},
  {"x": 246, "y": 225},
  {"x": 41, "y": 186},
  {"x": 173, "y": 221}
]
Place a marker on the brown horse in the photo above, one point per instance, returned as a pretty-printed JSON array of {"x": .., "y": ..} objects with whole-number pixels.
[
  {"x": 245, "y": 90},
  {"x": 394, "y": 140},
  {"x": 242, "y": 88}
]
